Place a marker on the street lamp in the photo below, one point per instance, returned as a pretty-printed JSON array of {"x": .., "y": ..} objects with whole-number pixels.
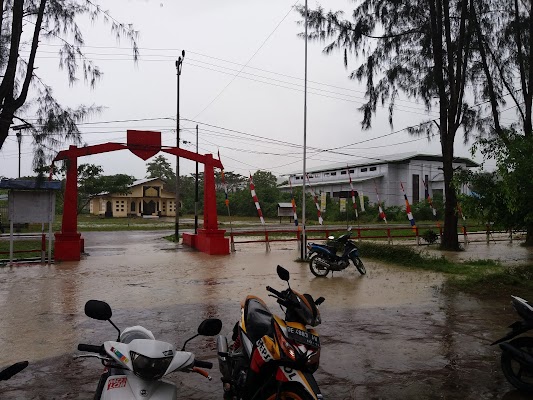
[{"x": 179, "y": 64}]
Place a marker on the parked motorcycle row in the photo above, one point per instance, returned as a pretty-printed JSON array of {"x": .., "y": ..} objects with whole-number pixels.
[{"x": 269, "y": 357}]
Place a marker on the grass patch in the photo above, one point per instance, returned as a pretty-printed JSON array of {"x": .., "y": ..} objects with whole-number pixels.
[
  {"x": 22, "y": 249},
  {"x": 479, "y": 277}
]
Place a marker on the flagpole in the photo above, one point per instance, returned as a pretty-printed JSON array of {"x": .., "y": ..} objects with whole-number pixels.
[{"x": 304, "y": 246}]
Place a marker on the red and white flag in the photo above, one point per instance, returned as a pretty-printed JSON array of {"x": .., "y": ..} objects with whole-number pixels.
[
  {"x": 315, "y": 198},
  {"x": 256, "y": 200},
  {"x": 381, "y": 212},
  {"x": 353, "y": 196}
]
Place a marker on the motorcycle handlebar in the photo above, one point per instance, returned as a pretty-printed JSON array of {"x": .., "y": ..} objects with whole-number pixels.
[
  {"x": 91, "y": 348},
  {"x": 268, "y": 288},
  {"x": 203, "y": 364}
]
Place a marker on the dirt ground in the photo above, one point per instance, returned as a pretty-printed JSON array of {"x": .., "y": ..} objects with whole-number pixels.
[{"x": 392, "y": 334}]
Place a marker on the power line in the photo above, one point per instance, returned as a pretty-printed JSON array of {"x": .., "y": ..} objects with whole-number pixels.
[{"x": 251, "y": 58}]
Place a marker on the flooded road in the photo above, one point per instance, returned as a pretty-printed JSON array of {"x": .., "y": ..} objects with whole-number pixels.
[{"x": 392, "y": 334}]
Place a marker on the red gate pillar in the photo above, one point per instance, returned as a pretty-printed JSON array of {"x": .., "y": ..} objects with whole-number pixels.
[
  {"x": 209, "y": 240},
  {"x": 69, "y": 243}
]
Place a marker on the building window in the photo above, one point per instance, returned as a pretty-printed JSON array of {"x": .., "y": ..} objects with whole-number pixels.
[
  {"x": 326, "y": 173},
  {"x": 373, "y": 168},
  {"x": 333, "y": 173},
  {"x": 364, "y": 169},
  {"x": 343, "y": 172},
  {"x": 416, "y": 188},
  {"x": 132, "y": 206}
]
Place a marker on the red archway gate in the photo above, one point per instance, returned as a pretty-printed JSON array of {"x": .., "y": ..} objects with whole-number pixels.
[{"x": 145, "y": 144}]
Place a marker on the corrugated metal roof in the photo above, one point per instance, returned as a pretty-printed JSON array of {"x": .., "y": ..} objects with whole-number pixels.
[
  {"x": 26, "y": 184},
  {"x": 386, "y": 159},
  {"x": 285, "y": 205}
]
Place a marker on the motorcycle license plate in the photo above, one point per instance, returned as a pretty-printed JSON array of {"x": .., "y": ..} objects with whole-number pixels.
[{"x": 304, "y": 337}]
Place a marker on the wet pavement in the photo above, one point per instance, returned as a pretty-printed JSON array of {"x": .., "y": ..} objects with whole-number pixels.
[{"x": 392, "y": 334}]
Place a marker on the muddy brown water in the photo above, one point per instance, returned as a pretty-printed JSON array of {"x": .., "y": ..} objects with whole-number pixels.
[{"x": 392, "y": 334}]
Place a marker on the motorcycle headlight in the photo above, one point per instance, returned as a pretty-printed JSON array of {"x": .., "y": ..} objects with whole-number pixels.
[{"x": 149, "y": 368}]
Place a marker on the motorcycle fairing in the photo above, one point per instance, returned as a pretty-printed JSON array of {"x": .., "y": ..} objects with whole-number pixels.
[
  {"x": 181, "y": 359},
  {"x": 147, "y": 347},
  {"x": 517, "y": 328},
  {"x": 305, "y": 379},
  {"x": 120, "y": 387}
]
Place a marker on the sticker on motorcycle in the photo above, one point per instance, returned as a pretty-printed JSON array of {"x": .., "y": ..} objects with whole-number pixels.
[
  {"x": 120, "y": 356},
  {"x": 117, "y": 383},
  {"x": 263, "y": 351}
]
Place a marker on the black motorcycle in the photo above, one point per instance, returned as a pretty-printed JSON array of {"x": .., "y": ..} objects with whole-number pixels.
[
  {"x": 323, "y": 257},
  {"x": 517, "y": 354}
]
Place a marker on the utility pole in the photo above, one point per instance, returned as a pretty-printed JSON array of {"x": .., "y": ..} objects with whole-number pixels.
[
  {"x": 196, "y": 189},
  {"x": 304, "y": 239},
  {"x": 179, "y": 64}
]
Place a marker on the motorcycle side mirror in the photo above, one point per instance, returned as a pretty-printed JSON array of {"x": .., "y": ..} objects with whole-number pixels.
[
  {"x": 319, "y": 301},
  {"x": 283, "y": 274},
  {"x": 99, "y": 310},
  {"x": 210, "y": 327}
]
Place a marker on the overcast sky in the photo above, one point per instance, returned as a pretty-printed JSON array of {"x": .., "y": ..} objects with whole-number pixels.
[{"x": 242, "y": 83}]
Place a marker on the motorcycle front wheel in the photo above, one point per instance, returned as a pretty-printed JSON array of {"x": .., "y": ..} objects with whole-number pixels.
[
  {"x": 359, "y": 265},
  {"x": 518, "y": 375},
  {"x": 289, "y": 392},
  {"x": 317, "y": 267}
]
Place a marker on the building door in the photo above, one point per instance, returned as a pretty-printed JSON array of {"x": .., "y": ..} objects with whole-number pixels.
[
  {"x": 108, "y": 209},
  {"x": 416, "y": 189},
  {"x": 149, "y": 207}
]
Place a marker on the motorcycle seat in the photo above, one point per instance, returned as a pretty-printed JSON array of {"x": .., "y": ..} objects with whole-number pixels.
[{"x": 258, "y": 319}]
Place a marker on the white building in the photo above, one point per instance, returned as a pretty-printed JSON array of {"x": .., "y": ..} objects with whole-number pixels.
[{"x": 383, "y": 175}]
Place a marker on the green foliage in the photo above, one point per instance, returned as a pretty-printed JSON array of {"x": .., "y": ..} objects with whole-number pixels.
[
  {"x": 505, "y": 195},
  {"x": 430, "y": 236},
  {"x": 24, "y": 92},
  {"x": 160, "y": 168}
]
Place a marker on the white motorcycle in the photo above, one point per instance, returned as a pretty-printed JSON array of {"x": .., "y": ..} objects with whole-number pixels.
[{"x": 136, "y": 362}]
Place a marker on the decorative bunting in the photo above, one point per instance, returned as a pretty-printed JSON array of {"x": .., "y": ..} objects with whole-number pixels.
[
  {"x": 315, "y": 198},
  {"x": 223, "y": 179},
  {"x": 256, "y": 200},
  {"x": 408, "y": 208},
  {"x": 426, "y": 189}
]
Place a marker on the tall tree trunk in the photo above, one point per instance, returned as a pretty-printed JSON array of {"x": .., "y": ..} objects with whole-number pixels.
[
  {"x": 450, "y": 240},
  {"x": 529, "y": 236}
]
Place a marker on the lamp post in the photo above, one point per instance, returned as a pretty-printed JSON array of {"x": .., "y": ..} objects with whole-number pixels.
[
  {"x": 17, "y": 129},
  {"x": 179, "y": 64}
]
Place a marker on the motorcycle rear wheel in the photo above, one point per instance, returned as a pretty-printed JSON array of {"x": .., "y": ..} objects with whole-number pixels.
[
  {"x": 517, "y": 374},
  {"x": 316, "y": 267},
  {"x": 359, "y": 265},
  {"x": 290, "y": 392}
]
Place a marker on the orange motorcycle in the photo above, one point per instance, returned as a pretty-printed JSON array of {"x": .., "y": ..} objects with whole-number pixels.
[{"x": 273, "y": 358}]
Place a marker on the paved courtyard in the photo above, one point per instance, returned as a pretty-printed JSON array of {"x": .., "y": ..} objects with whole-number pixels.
[{"x": 392, "y": 334}]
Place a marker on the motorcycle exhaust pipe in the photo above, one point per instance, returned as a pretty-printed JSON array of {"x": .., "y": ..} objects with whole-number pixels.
[
  {"x": 521, "y": 356},
  {"x": 222, "y": 350}
]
